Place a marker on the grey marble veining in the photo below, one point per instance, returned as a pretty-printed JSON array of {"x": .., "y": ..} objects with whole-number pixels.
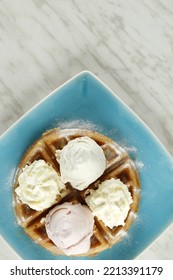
[{"x": 127, "y": 44}]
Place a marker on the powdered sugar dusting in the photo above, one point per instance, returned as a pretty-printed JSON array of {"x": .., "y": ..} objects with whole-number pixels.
[
  {"x": 133, "y": 215},
  {"x": 78, "y": 124},
  {"x": 122, "y": 233},
  {"x": 131, "y": 149},
  {"x": 139, "y": 164}
]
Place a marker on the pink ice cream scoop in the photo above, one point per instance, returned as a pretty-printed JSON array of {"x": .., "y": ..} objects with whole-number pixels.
[{"x": 70, "y": 227}]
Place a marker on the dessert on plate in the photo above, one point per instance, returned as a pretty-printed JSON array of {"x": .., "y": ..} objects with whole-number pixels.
[{"x": 76, "y": 192}]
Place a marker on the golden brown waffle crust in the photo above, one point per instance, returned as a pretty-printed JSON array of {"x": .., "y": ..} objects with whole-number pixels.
[{"x": 118, "y": 166}]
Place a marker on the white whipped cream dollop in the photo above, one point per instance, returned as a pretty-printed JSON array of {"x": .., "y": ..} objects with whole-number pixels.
[
  {"x": 81, "y": 161},
  {"x": 70, "y": 227},
  {"x": 110, "y": 202},
  {"x": 39, "y": 185}
]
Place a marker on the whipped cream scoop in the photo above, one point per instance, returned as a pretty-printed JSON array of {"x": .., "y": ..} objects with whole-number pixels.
[
  {"x": 39, "y": 185},
  {"x": 110, "y": 202},
  {"x": 70, "y": 227},
  {"x": 81, "y": 161}
]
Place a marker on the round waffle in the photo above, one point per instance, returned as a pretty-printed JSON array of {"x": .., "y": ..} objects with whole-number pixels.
[{"x": 118, "y": 166}]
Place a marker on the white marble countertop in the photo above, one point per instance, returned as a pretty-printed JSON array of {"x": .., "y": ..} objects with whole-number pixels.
[{"x": 127, "y": 44}]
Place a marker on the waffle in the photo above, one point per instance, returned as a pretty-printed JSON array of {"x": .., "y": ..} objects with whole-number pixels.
[{"x": 119, "y": 166}]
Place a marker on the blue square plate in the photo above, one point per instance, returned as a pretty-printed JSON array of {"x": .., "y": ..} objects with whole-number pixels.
[{"x": 85, "y": 101}]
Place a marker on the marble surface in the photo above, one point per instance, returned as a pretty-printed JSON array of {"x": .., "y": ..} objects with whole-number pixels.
[{"x": 127, "y": 44}]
